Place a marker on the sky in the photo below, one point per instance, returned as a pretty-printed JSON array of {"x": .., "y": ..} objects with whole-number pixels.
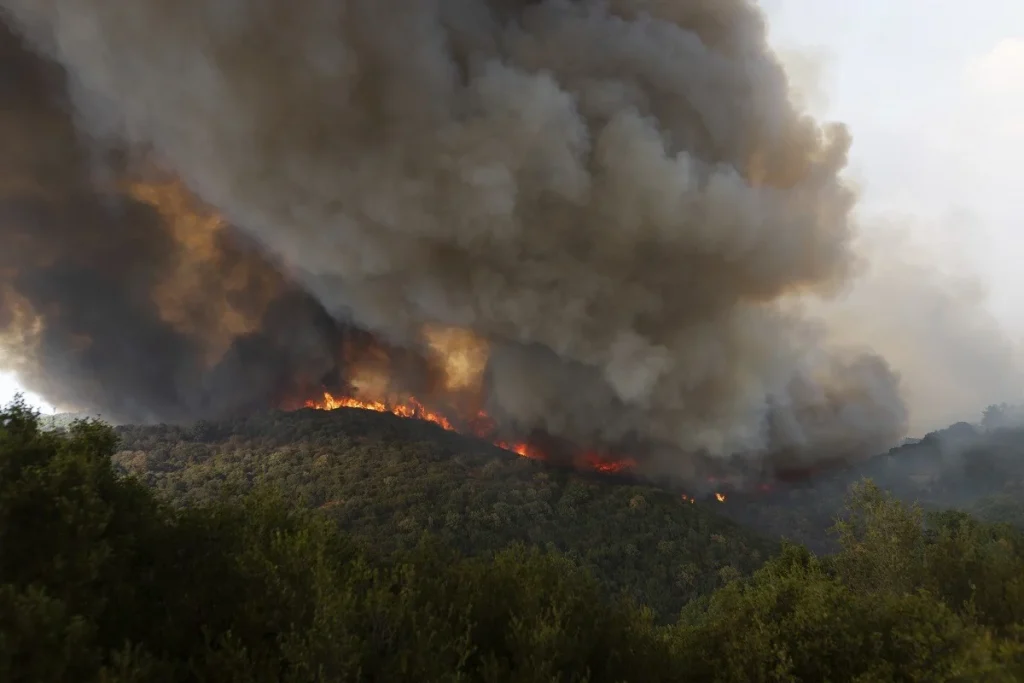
[{"x": 933, "y": 91}]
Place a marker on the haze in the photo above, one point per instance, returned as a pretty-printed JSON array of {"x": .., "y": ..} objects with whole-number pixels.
[{"x": 935, "y": 101}]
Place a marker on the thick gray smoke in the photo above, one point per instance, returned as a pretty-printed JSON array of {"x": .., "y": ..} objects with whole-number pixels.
[
  {"x": 619, "y": 195},
  {"x": 115, "y": 299}
]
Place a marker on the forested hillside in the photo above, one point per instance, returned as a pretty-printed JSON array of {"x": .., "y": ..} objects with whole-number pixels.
[
  {"x": 391, "y": 480},
  {"x": 344, "y": 547},
  {"x": 396, "y": 478}
]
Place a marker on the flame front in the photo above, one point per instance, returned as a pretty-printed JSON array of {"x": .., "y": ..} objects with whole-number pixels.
[
  {"x": 481, "y": 426},
  {"x": 411, "y": 408}
]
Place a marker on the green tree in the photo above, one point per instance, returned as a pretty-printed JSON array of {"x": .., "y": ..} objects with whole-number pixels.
[{"x": 795, "y": 621}]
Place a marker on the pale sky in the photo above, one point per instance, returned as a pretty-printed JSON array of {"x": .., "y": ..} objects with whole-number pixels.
[{"x": 933, "y": 91}]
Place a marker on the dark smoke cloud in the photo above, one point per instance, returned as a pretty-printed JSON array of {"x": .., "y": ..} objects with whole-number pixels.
[
  {"x": 106, "y": 303},
  {"x": 621, "y": 196}
]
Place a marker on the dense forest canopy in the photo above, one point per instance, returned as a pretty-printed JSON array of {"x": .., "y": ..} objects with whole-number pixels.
[{"x": 288, "y": 548}]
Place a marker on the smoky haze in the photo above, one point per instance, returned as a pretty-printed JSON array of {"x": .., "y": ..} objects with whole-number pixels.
[
  {"x": 924, "y": 308},
  {"x": 621, "y": 197}
]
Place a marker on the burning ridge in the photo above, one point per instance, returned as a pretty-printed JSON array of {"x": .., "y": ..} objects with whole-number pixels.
[
  {"x": 443, "y": 382},
  {"x": 480, "y": 425}
]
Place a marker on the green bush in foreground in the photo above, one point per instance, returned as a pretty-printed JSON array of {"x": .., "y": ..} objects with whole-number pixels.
[{"x": 99, "y": 581}]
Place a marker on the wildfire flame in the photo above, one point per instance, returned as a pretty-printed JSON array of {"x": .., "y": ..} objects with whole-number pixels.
[
  {"x": 458, "y": 359},
  {"x": 480, "y": 425},
  {"x": 411, "y": 408}
]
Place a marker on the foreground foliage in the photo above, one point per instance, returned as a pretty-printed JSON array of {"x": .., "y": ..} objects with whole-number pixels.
[{"x": 101, "y": 581}]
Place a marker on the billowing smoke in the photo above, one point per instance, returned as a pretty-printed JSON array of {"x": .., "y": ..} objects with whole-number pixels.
[
  {"x": 118, "y": 292},
  {"x": 619, "y": 196}
]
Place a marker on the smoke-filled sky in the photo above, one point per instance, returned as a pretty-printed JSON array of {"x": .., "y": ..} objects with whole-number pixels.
[
  {"x": 935, "y": 100},
  {"x": 633, "y": 209}
]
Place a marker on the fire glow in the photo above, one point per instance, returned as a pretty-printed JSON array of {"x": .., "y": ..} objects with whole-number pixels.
[
  {"x": 480, "y": 426},
  {"x": 453, "y": 361}
]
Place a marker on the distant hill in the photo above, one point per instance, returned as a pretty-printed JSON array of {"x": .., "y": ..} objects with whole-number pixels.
[
  {"x": 979, "y": 470},
  {"x": 391, "y": 480}
]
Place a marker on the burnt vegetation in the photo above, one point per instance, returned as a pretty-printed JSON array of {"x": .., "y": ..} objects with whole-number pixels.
[{"x": 356, "y": 546}]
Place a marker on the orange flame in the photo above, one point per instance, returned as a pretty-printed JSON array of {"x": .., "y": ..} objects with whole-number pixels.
[
  {"x": 482, "y": 426},
  {"x": 411, "y": 409},
  {"x": 720, "y": 497}
]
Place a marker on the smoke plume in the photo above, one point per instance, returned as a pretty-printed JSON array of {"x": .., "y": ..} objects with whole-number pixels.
[
  {"x": 118, "y": 291},
  {"x": 620, "y": 198}
]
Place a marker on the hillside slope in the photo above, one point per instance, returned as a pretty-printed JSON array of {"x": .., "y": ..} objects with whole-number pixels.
[
  {"x": 964, "y": 467},
  {"x": 391, "y": 480}
]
